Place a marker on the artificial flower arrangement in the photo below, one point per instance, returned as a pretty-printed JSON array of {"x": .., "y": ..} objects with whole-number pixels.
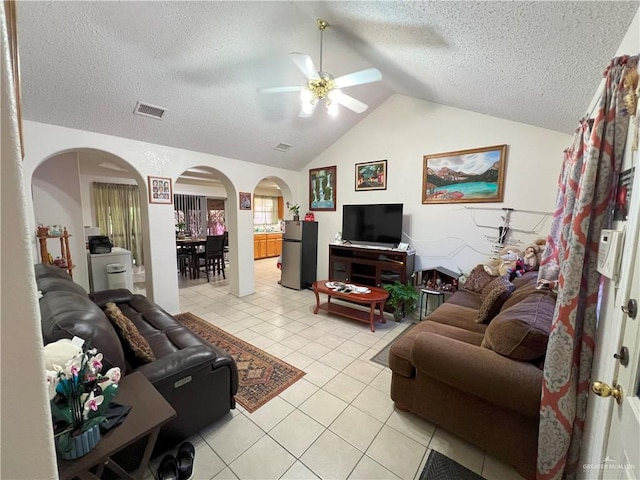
[{"x": 79, "y": 393}]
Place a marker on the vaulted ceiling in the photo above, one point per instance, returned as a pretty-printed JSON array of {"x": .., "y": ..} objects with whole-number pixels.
[{"x": 86, "y": 64}]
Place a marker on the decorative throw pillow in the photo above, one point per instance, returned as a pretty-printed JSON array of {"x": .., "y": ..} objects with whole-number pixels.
[
  {"x": 128, "y": 332},
  {"x": 522, "y": 331},
  {"x": 477, "y": 279},
  {"x": 493, "y": 296}
]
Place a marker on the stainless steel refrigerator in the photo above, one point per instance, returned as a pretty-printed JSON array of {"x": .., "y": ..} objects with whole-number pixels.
[{"x": 299, "y": 254}]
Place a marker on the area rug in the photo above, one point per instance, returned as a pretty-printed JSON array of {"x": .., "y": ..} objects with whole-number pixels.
[
  {"x": 382, "y": 357},
  {"x": 261, "y": 376},
  {"x": 441, "y": 467}
]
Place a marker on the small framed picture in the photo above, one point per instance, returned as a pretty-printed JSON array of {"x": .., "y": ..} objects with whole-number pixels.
[
  {"x": 245, "y": 201},
  {"x": 371, "y": 176},
  {"x": 160, "y": 190},
  {"x": 322, "y": 189}
]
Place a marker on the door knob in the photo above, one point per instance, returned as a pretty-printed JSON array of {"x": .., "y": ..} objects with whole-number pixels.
[{"x": 603, "y": 390}]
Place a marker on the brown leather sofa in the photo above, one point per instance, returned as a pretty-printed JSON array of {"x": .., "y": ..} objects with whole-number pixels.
[
  {"x": 195, "y": 377},
  {"x": 480, "y": 381}
]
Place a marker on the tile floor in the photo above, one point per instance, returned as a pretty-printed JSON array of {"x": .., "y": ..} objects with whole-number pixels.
[{"x": 338, "y": 421}]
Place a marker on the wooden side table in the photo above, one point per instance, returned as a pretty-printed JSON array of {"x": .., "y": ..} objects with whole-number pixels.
[
  {"x": 427, "y": 292},
  {"x": 149, "y": 411}
]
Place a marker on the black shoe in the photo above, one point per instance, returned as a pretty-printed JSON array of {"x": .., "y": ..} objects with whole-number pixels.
[
  {"x": 168, "y": 469},
  {"x": 184, "y": 457}
]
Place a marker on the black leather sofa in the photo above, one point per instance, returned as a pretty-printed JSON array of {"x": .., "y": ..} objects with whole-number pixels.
[{"x": 198, "y": 379}]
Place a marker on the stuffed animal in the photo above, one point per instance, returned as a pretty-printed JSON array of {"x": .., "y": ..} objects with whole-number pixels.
[
  {"x": 504, "y": 263},
  {"x": 533, "y": 254}
]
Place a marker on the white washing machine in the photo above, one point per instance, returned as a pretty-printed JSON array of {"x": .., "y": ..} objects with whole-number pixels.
[{"x": 98, "y": 262}]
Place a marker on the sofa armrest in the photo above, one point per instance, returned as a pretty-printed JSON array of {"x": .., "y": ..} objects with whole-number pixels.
[
  {"x": 180, "y": 364},
  {"x": 118, "y": 295},
  {"x": 479, "y": 371}
]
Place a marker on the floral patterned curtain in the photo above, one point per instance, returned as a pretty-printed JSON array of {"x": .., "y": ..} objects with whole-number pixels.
[{"x": 585, "y": 201}]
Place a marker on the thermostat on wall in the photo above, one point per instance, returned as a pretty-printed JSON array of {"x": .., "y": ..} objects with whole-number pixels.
[{"x": 609, "y": 252}]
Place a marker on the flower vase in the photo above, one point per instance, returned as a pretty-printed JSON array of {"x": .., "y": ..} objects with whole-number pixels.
[
  {"x": 82, "y": 444},
  {"x": 296, "y": 218}
]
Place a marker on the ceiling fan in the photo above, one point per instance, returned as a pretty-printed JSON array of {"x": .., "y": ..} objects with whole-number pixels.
[{"x": 321, "y": 85}]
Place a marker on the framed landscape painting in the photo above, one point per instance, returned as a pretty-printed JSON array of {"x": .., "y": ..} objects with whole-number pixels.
[
  {"x": 322, "y": 189},
  {"x": 371, "y": 176},
  {"x": 465, "y": 176}
]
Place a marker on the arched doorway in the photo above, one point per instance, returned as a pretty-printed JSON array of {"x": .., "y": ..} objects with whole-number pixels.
[{"x": 63, "y": 188}]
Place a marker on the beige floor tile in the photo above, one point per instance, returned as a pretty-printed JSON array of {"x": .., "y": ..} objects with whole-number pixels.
[
  {"x": 368, "y": 469},
  {"x": 368, "y": 339},
  {"x": 344, "y": 387},
  {"x": 323, "y": 407},
  {"x": 336, "y": 360},
  {"x": 294, "y": 326},
  {"x": 262, "y": 342},
  {"x": 299, "y": 392},
  {"x": 397, "y": 452},
  {"x": 316, "y": 350},
  {"x": 494, "y": 469},
  {"x": 332, "y": 341},
  {"x": 295, "y": 342},
  {"x": 297, "y": 432},
  {"x": 263, "y": 327},
  {"x": 457, "y": 449},
  {"x": 231, "y": 439},
  {"x": 356, "y": 427},
  {"x": 278, "y": 350},
  {"x": 278, "y": 334},
  {"x": 225, "y": 474},
  {"x": 352, "y": 349},
  {"x": 382, "y": 381},
  {"x": 206, "y": 463},
  {"x": 374, "y": 402},
  {"x": 330, "y": 457},
  {"x": 271, "y": 413},
  {"x": 299, "y": 360},
  {"x": 299, "y": 472},
  {"x": 412, "y": 426},
  {"x": 247, "y": 334},
  {"x": 265, "y": 459},
  {"x": 362, "y": 371},
  {"x": 318, "y": 373}
]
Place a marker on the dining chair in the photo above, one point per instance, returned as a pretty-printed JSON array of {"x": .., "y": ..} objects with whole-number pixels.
[{"x": 213, "y": 255}]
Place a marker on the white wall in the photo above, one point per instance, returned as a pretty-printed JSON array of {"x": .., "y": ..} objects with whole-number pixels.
[
  {"x": 57, "y": 200},
  {"x": 44, "y": 141},
  {"x": 403, "y": 130}
]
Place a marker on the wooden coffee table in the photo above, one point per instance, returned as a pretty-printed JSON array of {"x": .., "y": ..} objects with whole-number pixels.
[{"x": 377, "y": 296}]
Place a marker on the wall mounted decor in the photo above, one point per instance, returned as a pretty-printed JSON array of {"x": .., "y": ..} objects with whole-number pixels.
[
  {"x": 245, "y": 201},
  {"x": 160, "y": 190},
  {"x": 322, "y": 189},
  {"x": 371, "y": 175},
  {"x": 465, "y": 176}
]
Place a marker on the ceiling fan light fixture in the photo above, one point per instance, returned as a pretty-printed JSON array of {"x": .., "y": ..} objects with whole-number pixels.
[{"x": 332, "y": 108}]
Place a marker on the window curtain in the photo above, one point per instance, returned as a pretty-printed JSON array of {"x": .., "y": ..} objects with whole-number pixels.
[
  {"x": 586, "y": 193},
  {"x": 265, "y": 210},
  {"x": 117, "y": 210}
]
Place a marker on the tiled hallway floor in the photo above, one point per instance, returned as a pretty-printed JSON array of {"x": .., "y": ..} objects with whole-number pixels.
[{"x": 338, "y": 421}]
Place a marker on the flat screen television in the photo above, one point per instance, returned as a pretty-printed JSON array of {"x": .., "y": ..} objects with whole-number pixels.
[{"x": 372, "y": 224}]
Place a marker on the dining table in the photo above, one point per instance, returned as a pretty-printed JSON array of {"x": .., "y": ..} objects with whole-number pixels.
[{"x": 191, "y": 245}]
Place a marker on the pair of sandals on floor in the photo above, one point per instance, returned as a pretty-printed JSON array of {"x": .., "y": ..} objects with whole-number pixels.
[{"x": 179, "y": 467}]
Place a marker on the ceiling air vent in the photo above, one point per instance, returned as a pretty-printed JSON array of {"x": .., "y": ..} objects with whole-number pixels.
[
  {"x": 282, "y": 147},
  {"x": 149, "y": 110}
]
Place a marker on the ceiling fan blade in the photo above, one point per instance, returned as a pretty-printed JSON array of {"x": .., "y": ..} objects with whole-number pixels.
[
  {"x": 351, "y": 103},
  {"x": 279, "y": 89},
  {"x": 357, "y": 78},
  {"x": 305, "y": 64},
  {"x": 306, "y": 113}
]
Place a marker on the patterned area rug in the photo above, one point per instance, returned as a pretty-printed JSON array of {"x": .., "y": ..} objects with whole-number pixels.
[
  {"x": 441, "y": 467},
  {"x": 261, "y": 376},
  {"x": 382, "y": 357}
]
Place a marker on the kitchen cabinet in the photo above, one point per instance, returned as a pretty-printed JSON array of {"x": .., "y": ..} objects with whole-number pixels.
[{"x": 266, "y": 245}]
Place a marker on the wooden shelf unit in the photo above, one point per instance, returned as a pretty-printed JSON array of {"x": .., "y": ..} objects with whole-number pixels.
[
  {"x": 369, "y": 266},
  {"x": 65, "y": 253}
]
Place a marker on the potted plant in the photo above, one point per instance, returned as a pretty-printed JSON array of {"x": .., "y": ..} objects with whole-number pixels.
[
  {"x": 402, "y": 297},
  {"x": 80, "y": 394},
  {"x": 295, "y": 209}
]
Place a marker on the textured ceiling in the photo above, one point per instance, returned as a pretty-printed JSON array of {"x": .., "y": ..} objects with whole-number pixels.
[{"x": 86, "y": 64}]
